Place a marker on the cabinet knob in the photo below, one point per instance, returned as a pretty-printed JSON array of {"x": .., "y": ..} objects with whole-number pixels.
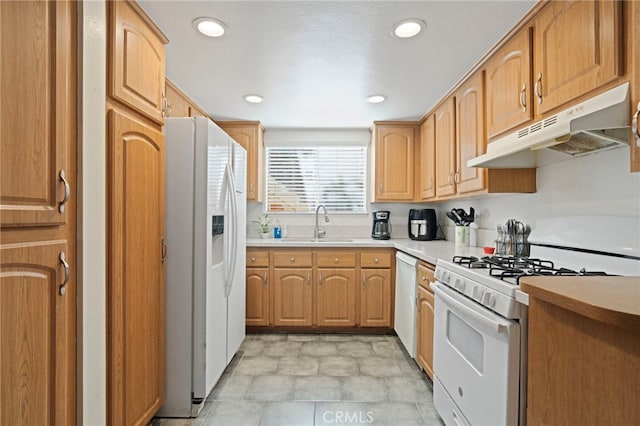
[
  {"x": 253, "y": 259},
  {"x": 293, "y": 259},
  {"x": 336, "y": 260},
  {"x": 376, "y": 260},
  {"x": 424, "y": 278}
]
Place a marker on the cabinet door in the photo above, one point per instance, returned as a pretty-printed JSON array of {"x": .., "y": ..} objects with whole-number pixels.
[
  {"x": 427, "y": 160},
  {"x": 136, "y": 60},
  {"x": 470, "y": 135},
  {"x": 445, "y": 148},
  {"x": 425, "y": 330},
  {"x": 36, "y": 346},
  {"x": 177, "y": 105},
  {"x": 292, "y": 297},
  {"x": 509, "y": 90},
  {"x": 336, "y": 297},
  {"x": 135, "y": 271},
  {"x": 577, "y": 49},
  {"x": 394, "y": 162},
  {"x": 375, "y": 298},
  {"x": 257, "y": 296},
  {"x": 38, "y": 111},
  {"x": 634, "y": 36},
  {"x": 250, "y": 137}
]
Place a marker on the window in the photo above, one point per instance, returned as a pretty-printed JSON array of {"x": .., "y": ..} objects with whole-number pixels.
[{"x": 298, "y": 179}]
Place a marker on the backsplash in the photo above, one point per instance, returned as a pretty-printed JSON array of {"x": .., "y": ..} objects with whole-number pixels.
[{"x": 597, "y": 184}]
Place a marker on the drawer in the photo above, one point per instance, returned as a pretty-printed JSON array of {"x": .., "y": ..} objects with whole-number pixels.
[
  {"x": 292, "y": 258},
  {"x": 426, "y": 275},
  {"x": 376, "y": 259},
  {"x": 257, "y": 258},
  {"x": 336, "y": 259}
]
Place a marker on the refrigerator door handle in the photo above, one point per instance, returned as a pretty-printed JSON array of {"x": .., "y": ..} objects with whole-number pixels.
[{"x": 233, "y": 237}]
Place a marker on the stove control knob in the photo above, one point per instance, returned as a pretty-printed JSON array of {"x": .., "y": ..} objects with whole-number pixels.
[
  {"x": 478, "y": 293},
  {"x": 444, "y": 277},
  {"x": 489, "y": 299},
  {"x": 459, "y": 284}
]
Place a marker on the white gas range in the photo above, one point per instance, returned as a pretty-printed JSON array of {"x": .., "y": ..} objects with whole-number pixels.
[{"x": 481, "y": 315}]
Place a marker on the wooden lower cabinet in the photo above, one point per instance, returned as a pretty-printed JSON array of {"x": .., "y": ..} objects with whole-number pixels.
[
  {"x": 425, "y": 330},
  {"x": 336, "y": 297},
  {"x": 292, "y": 297},
  {"x": 375, "y": 298},
  {"x": 258, "y": 296},
  {"x": 35, "y": 344}
]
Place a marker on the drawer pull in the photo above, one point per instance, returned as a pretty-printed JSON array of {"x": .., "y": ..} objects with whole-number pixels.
[
  {"x": 67, "y": 191},
  {"x": 63, "y": 287},
  {"x": 320, "y": 280},
  {"x": 364, "y": 281},
  {"x": 253, "y": 259},
  {"x": 265, "y": 280},
  {"x": 293, "y": 259},
  {"x": 336, "y": 260},
  {"x": 376, "y": 260},
  {"x": 308, "y": 280}
]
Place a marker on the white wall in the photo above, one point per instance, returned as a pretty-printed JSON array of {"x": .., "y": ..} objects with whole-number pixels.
[{"x": 92, "y": 330}]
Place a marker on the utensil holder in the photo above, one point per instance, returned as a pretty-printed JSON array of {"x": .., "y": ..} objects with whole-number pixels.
[{"x": 461, "y": 237}]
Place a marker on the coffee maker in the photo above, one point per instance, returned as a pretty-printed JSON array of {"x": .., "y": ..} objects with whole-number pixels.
[
  {"x": 422, "y": 224},
  {"x": 381, "y": 225}
]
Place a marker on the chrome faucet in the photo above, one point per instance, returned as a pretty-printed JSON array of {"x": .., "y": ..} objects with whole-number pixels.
[{"x": 319, "y": 232}]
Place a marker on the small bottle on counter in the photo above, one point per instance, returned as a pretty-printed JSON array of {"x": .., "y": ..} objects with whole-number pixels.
[
  {"x": 285, "y": 231},
  {"x": 473, "y": 235},
  {"x": 277, "y": 230}
]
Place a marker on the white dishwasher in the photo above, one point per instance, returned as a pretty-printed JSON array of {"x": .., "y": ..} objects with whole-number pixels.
[{"x": 406, "y": 312}]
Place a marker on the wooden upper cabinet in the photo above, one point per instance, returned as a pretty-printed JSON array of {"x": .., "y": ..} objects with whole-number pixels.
[
  {"x": 577, "y": 49},
  {"x": 426, "y": 160},
  {"x": 38, "y": 112},
  {"x": 177, "y": 104},
  {"x": 35, "y": 340},
  {"x": 445, "y": 148},
  {"x": 634, "y": 54},
  {"x": 336, "y": 297},
  {"x": 394, "y": 158},
  {"x": 509, "y": 89},
  {"x": 136, "y": 60},
  {"x": 470, "y": 134},
  {"x": 136, "y": 283},
  {"x": 249, "y": 134}
]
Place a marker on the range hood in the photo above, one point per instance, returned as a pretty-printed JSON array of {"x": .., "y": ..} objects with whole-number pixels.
[{"x": 601, "y": 122}]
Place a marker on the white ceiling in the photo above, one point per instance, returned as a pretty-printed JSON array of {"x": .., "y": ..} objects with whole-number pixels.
[{"x": 315, "y": 61}]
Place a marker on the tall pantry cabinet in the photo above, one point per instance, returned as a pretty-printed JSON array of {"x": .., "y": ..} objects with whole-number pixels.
[
  {"x": 38, "y": 198},
  {"x": 136, "y": 107}
]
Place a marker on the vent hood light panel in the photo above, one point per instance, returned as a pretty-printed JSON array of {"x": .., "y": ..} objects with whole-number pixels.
[{"x": 600, "y": 122}]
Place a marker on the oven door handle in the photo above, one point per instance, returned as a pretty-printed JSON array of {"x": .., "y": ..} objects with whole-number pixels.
[{"x": 496, "y": 326}]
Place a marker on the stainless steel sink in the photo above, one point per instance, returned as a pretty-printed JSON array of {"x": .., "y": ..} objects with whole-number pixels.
[{"x": 318, "y": 240}]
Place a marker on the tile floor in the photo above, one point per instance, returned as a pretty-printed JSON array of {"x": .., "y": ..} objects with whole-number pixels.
[{"x": 318, "y": 379}]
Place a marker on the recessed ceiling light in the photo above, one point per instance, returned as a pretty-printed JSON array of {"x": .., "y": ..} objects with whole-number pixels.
[
  {"x": 210, "y": 27},
  {"x": 254, "y": 99},
  {"x": 408, "y": 28},
  {"x": 376, "y": 99}
]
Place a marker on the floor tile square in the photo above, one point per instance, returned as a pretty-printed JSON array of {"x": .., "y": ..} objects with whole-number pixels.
[
  {"x": 336, "y": 337},
  {"x": 303, "y": 337},
  {"x": 231, "y": 388},
  {"x": 370, "y": 337},
  {"x": 319, "y": 348},
  {"x": 253, "y": 366},
  {"x": 288, "y": 413},
  {"x": 317, "y": 388},
  {"x": 252, "y": 347},
  {"x": 395, "y": 414},
  {"x": 270, "y": 388},
  {"x": 364, "y": 389},
  {"x": 408, "y": 389},
  {"x": 234, "y": 413},
  {"x": 379, "y": 366},
  {"x": 298, "y": 366},
  {"x": 282, "y": 348},
  {"x": 271, "y": 337},
  {"x": 355, "y": 349},
  {"x": 338, "y": 366},
  {"x": 429, "y": 414},
  {"x": 387, "y": 349}
]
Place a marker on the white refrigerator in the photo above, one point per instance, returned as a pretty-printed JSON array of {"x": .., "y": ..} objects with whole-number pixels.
[{"x": 205, "y": 262}]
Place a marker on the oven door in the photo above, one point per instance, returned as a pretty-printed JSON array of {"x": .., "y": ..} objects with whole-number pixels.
[{"x": 476, "y": 360}]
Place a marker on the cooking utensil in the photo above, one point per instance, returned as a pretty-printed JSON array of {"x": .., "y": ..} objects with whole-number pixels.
[
  {"x": 455, "y": 214},
  {"x": 452, "y": 217}
]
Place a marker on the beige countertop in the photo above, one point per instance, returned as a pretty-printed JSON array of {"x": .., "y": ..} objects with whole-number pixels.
[
  {"x": 611, "y": 300},
  {"x": 429, "y": 251}
]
